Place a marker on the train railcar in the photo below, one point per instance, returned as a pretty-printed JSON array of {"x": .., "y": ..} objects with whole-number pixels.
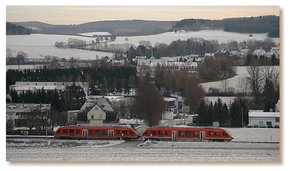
[
  {"x": 187, "y": 133},
  {"x": 90, "y": 132}
]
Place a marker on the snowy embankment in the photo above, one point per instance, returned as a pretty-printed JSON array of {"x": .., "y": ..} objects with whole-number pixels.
[{"x": 61, "y": 143}]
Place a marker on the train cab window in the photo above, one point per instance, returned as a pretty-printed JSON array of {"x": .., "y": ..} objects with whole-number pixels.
[
  {"x": 181, "y": 134},
  {"x": 195, "y": 134},
  {"x": 78, "y": 131},
  {"x": 91, "y": 132},
  {"x": 225, "y": 134},
  {"x": 104, "y": 132},
  {"x": 160, "y": 132},
  {"x": 153, "y": 132},
  {"x": 65, "y": 131},
  {"x": 124, "y": 132},
  {"x": 211, "y": 133},
  {"x": 146, "y": 133},
  {"x": 71, "y": 131},
  {"x": 98, "y": 132},
  {"x": 58, "y": 131},
  {"x": 187, "y": 134},
  {"x": 217, "y": 133},
  {"x": 132, "y": 133},
  {"x": 118, "y": 132}
]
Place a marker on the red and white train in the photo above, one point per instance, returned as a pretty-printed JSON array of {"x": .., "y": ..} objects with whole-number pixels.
[
  {"x": 89, "y": 132},
  {"x": 155, "y": 133},
  {"x": 187, "y": 133}
]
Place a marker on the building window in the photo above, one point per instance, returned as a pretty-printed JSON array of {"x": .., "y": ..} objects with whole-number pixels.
[
  {"x": 92, "y": 116},
  {"x": 260, "y": 122},
  {"x": 277, "y": 119}
]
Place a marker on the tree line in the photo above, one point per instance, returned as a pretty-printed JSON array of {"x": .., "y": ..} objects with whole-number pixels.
[
  {"x": 13, "y": 29},
  {"x": 104, "y": 78},
  {"x": 235, "y": 115},
  {"x": 261, "y": 24}
]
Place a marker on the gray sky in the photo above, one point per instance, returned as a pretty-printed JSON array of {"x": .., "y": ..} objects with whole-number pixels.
[{"x": 83, "y": 14}]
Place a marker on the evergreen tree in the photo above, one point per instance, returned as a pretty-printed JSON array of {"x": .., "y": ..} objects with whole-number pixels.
[
  {"x": 269, "y": 96},
  {"x": 202, "y": 114}
]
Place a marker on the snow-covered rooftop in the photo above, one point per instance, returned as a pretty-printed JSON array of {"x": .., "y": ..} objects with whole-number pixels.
[{"x": 262, "y": 114}]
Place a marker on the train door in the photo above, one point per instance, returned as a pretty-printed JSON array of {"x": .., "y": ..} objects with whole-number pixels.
[
  {"x": 174, "y": 135},
  {"x": 202, "y": 135},
  {"x": 110, "y": 133},
  {"x": 85, "y": 133}
]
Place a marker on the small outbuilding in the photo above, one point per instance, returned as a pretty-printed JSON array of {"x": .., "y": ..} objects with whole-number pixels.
[{"x": 259, "y": 118}]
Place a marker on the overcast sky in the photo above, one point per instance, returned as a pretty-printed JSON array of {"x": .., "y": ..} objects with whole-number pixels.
[{"x": 83, "y": 14}]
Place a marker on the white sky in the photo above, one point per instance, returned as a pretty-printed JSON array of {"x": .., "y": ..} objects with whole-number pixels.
[{"x": 83, "y": 14}]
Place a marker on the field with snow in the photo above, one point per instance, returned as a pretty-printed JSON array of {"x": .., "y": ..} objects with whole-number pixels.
[
  {"x": 249, "y": 145},
  {"x": 238, "y": 83},
  {"x": 41, "y": 45},
  {"x": 168, "y": 37}
]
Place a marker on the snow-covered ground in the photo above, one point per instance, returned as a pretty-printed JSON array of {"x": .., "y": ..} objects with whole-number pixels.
[
  {"x": 91, "y": 34},
  {"x": 238, "y": 83},
  {"x": 168, "y": 37},
  {"x": 41, "y": 45}
]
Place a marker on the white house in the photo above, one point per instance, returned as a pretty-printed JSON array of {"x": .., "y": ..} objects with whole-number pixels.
[
  {"x": 264, "y": 119},
  {"x": 98, "y": 111}
]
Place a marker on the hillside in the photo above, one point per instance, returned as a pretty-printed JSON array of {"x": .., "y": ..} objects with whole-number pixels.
[
  {"x": 117, "y": 27},
  {"x": 261, "y": 24},
  {"x": 13, "y": 29}
]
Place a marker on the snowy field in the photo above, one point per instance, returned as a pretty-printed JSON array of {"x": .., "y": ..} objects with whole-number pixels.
[
  {"x": 249, "y": 145},
  {"x": 41, "y": 45},
  {"x": 238, "y": 83},
  {"x": 168, "y": 37}
]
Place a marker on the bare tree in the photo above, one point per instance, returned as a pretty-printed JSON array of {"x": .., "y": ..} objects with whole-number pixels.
[
  {"x": 255, "y": 81},
  {"x": 149, "y": 103},
  {"x": 243, "y": 85}
]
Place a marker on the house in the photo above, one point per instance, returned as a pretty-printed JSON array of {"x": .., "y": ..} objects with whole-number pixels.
[
  {"x": 259, "y": 118},
  {"x": 28, "y": 115},
  {"x": 259, "y": 53},
  {"x": 98, "y": 111}
]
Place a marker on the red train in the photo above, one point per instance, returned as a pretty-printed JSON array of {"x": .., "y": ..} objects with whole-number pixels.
[
  {"x": 89, "y": 132},
  {"x": 187, "y": 133},
  {"x": 155, "y": 133}
]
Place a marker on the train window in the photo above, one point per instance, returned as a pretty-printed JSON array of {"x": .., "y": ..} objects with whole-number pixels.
[
  {"x": 78, "y": 131},
  {"x": 211, "y": 133},
  {"x": 166, "y": 133},
  {"x": 217, "y": 133},
  {"x": 153, "y": 132},
  {"x": 58, "y": 131},
  {"x": 98, "y": 132},
  {"x": 65, "y": 131},
  {"x": 118, "y": 132},
  {"x": 104, "y": 132},
  {"x": 225, "y": 134},
  {"x": 181, "y": 133},
  {"x": 124, "y": 132},
  {"x": 146, "y": 133},
  {"x": 160, "y": 132},
  {"x": 91, "y": 132},
  {"x": 187, "y": 133},
  {"x": 132, "y": 133},
  {"x": 71, "y": 131}
]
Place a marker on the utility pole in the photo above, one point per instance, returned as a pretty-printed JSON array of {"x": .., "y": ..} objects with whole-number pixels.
[{"x": 242, "y": 118}]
